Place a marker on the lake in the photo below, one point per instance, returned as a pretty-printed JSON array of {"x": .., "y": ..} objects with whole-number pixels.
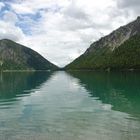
[{"x": 70, "y": 106}]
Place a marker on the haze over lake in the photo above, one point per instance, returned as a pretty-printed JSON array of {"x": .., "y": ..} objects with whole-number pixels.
[{"x": 70, "y": 106}]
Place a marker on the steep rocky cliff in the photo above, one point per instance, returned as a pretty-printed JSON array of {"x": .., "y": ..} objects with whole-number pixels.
[{"x": 118, "y": 50}]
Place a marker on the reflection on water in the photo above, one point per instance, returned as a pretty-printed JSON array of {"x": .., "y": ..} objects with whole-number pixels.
[
  {"x": 69, "y": 106},
  {"x": 121, "y": 90},
  {"x": 14, "y": 85}
]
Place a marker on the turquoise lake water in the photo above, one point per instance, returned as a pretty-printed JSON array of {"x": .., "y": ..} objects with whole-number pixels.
[{"x": 70, "y": 106}]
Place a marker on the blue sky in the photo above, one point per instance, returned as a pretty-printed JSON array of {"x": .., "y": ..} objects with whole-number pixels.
[{"x": 61, "y": 30}]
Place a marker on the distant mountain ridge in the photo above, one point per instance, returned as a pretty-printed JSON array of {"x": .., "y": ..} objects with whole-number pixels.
[
  {"x": 14, "y": 56},
  {"x": 118, "y": 50}
]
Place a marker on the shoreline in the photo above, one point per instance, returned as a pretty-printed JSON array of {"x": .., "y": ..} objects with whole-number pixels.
[
  {"x": 26, "y": 71},
  {"x": 66, "y": 70},
  {"x": 106, "y": 70}
]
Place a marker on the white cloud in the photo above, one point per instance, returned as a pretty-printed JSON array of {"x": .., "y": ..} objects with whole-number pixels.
[
  {"x": 32, "y": 6},
  {"x": 10, "y": 17},
  {"x": 65, "y": 28},
  {"x": 8, "y": 28},
  {"x": 10, "y": 31},
  {"x": 1, "y": 5},
  {"x": 128, "y": 3},
  {"x": 73, "y": 11},
  {"x": 132, "y": 6}
]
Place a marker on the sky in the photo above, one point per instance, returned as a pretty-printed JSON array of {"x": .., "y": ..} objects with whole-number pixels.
[{"x": 61, "y": 30}]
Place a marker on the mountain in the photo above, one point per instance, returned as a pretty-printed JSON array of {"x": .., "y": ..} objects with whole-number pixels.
[
  {"x": 14, "y": 56},
  {"x": 118, "y": 50}
]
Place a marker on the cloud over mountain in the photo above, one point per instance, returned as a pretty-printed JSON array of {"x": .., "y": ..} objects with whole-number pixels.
[{"x": 61, "y": 30}]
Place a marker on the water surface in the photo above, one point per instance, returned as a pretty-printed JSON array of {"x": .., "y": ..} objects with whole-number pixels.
[{"x": 70, "y": 106}]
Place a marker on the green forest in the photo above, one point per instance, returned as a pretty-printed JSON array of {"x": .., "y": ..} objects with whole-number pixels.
[{"x": 126, "y": 56}]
